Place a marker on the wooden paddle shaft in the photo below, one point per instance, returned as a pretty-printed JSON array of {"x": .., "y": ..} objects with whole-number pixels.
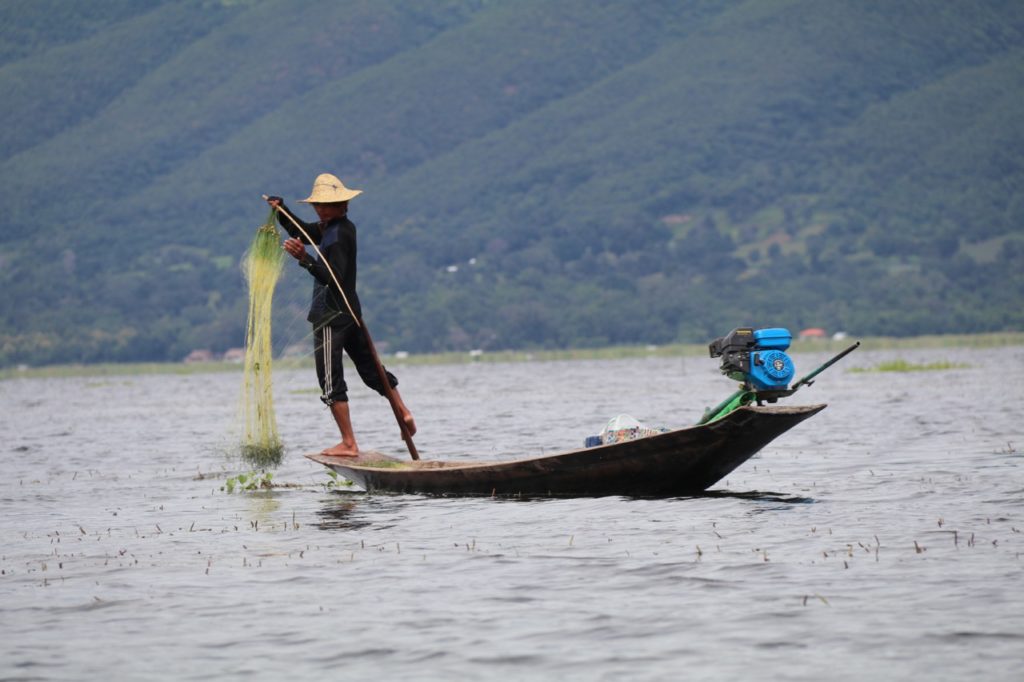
[{"x": 389, "y": 392}]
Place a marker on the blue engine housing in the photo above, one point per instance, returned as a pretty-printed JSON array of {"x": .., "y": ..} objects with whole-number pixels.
[
  {"x": 757, "y": 358},
  {"x": 771, "y": 369}
]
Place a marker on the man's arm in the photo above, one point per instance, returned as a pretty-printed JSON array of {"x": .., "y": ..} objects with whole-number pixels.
[
  {"x": 337, "y": 257},
  {"x": 313, "y": 229}
]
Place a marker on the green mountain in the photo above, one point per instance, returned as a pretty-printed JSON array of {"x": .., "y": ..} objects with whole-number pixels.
[{"x": 535, "y": 173}]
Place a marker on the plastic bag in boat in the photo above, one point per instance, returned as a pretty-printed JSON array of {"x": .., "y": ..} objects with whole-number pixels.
[{"x": 622, "y": 428}]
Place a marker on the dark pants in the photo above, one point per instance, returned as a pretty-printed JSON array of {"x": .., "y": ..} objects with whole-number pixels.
[{"x": 329, "y": 344}]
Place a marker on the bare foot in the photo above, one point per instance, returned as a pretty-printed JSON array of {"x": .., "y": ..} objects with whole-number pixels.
[
  {"x": 410, "y": 425},
  {"x": 342, "y": 450}
]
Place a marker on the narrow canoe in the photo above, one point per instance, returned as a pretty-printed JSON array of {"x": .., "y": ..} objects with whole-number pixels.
[{"x": 681, "y": 462}]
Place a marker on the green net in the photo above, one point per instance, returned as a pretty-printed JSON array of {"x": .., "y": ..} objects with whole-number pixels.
[{"x": 261, "y": 444}]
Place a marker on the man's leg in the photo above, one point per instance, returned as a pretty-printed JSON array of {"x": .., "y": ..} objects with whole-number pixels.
[
  {"x": 330, "y": 373},
  {"x": 348, "y": 446},
  {"x": 410, "y": 423},
  {"x": 359, "y": 351}
]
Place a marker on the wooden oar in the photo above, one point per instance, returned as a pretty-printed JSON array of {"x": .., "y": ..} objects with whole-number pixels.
[{"x": 388, "y": 391}]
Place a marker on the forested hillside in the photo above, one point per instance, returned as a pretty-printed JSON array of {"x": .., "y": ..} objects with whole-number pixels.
[{"x": 536, "y": 173}]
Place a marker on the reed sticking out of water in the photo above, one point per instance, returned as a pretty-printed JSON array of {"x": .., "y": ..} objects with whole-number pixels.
[{"x": 261, "y": 444}]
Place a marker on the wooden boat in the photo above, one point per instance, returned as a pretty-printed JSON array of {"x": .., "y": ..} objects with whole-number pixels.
[{"x": 681, "y": 462}]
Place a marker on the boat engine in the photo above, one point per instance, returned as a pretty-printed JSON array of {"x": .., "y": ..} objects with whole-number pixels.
[{"x": 757, "y": 359}]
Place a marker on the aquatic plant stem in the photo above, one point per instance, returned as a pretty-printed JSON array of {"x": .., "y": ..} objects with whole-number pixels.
[{"x": 389, "y": 392}]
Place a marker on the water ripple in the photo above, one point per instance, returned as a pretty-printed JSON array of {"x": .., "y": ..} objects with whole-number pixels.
[{"x": 882, "y": 539}]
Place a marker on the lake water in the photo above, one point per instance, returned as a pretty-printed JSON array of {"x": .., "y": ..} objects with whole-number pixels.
[{"x": 880, "y": 539}]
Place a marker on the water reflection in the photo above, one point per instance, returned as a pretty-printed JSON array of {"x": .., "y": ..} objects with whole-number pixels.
[
  {"x": 263, "y": 505},
  {"x": 754, "y": 495},
  {"x": 344, "y": 514},
  {"x": 759, "y": 496}
]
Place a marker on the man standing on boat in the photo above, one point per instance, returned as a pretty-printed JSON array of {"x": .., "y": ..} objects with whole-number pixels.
[{"x": 336, "y": 318}]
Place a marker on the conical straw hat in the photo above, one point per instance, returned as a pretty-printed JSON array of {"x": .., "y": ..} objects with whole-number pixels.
[{"x": 328, "y": 189}]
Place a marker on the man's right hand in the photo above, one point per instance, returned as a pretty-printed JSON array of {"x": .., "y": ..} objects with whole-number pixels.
[
  {"x": 275, "y": 201},
  {"x": 295, "y": 249}
]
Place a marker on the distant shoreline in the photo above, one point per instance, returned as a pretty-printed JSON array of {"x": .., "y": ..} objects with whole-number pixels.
[{"x": 987, "y": 340}]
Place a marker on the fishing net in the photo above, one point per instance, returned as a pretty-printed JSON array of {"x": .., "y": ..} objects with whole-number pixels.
[{"x": 261, "y": 444}]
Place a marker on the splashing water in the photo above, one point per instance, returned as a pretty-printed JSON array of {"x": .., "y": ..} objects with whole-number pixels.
[{"x": 261, "y": 444}]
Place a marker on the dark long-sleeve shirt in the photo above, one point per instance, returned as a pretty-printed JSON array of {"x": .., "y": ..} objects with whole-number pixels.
[{"x": 336, "y": 240}]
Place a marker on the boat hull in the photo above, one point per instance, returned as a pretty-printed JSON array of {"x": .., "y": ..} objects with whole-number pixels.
[{"x": 681, "y": 462}]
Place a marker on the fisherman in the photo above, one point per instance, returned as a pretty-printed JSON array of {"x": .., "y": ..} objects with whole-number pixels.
[{"x": 334, "y": 327}]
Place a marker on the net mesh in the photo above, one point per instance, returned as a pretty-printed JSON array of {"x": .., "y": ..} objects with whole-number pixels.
[{"x": 261, "y": 444}]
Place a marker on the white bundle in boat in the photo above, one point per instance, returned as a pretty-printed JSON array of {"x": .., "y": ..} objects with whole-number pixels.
[{"x": 624, "y": 427}]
